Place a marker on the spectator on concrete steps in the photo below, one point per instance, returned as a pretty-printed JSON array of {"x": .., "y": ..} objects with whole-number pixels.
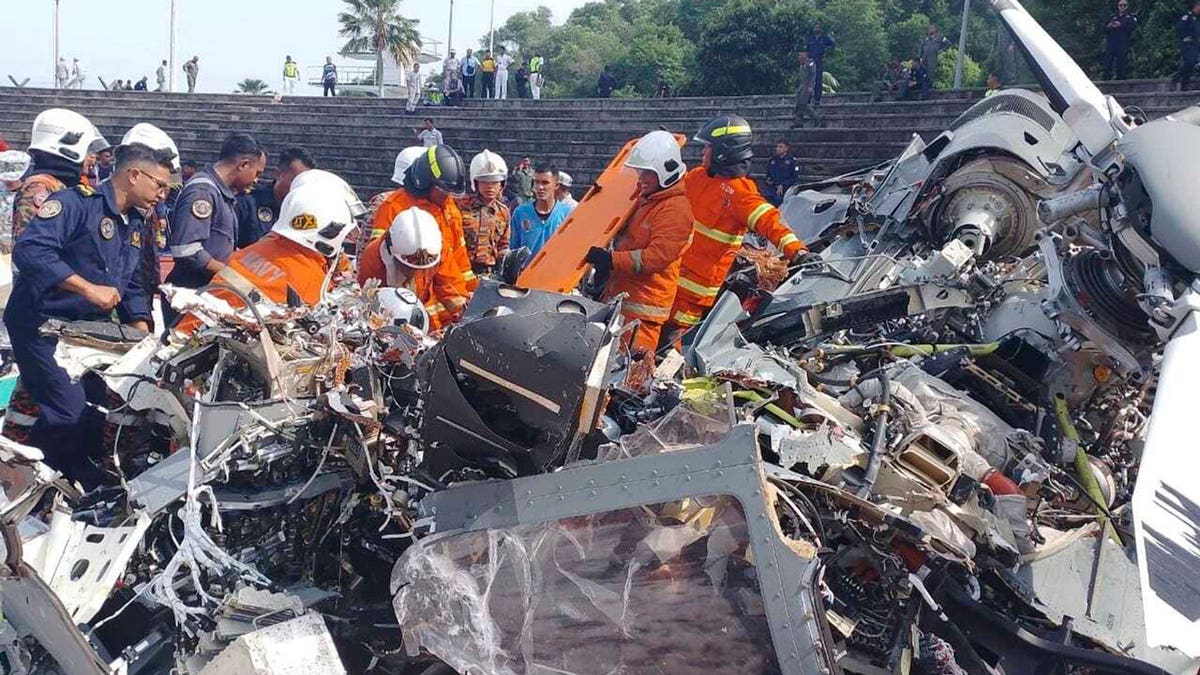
[
  {"x": 291, "y": 75},
  {"x": 191, "y": 68},
  {"x": 470, "y": 66},
  {"x": 565, "y": 181},
  {"x": 931, "y": 46},
  {"x": 804, "y": 93},
  {"x": 329, "y": 78},
  {"x": 783, "y": 171},
  {"x": 502, "y": 63},
  {"x": 536, "y": 78},
  {"x": 819, "y": 44},
  {"x": 413, "y": 82},
  {"x": 1118, "y": 37},
  {"x": 522, "y": 79},
  {"x": 522, "y": 178},
  {"x": 77, "y": 76},
  {"x": 606, "y": 84},
  {"x": 428, "y": 135},
  {"x": 488, "y": 68},
  {"x": 993, "y": 86},
  {"x": 160, "y": 76}
]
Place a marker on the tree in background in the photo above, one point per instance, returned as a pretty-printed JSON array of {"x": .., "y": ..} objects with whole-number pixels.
[
  {"x": 377, "y": 27},
  {"x": 732, "y": 47},
  {"x": 253, "y": 86}
]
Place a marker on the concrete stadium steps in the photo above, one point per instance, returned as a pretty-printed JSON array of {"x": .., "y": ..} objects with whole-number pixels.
[{"x": 358, "y": 137}]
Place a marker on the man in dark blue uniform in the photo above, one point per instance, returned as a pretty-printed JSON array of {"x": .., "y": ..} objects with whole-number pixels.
[
  {"x": 1118, "y": 36},
  {"x": 817, "y": 47},
  {"x": 1188, "y": 30},
  {"x": 79, "y": 260},
  {"x": 258, "y": 209},
  {"x": 204, "y": 229},
  {"x": 783, "y": 171}
]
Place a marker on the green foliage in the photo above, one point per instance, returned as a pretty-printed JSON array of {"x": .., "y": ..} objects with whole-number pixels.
[
  {"x": 374, "y": 26},
  {"x": 862, "y": 42},
  {"x": 750, "y": 47},
  {"x": 253, "y": 86},
  {"x": 973, "y": 75},
  {"x": 730, "y": 47}
]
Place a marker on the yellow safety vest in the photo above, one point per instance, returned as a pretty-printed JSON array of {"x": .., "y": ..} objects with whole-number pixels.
[{"x": 290, "y": 69}]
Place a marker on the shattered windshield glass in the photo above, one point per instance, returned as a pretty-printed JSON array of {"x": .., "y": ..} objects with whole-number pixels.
[{"x": 661, "y": 588}]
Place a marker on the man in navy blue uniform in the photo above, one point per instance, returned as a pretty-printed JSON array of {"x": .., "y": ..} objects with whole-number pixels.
[
  {"x": 1188, "y": 30},
  {"x": 258, "y": 209},
  {"x": 818, "y": 46},
  {"x": 204, "y": 227},
  {"x": 79, "y": 260}
]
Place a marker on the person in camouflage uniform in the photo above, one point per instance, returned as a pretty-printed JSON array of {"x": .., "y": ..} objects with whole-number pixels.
[{"x": 486, "y": 219}]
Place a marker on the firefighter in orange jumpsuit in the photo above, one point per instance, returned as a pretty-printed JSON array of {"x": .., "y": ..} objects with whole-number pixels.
[
  {"x": 726, "y": 205},
  {"x": 644, "y": 260},
  {"x": 431, "y": 182},
  {"x": 297, "y": 258},
  {"x": 409, "y": 256}
]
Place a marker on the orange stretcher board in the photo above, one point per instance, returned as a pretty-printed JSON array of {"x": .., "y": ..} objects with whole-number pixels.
[{"x": 560, "y": 265}]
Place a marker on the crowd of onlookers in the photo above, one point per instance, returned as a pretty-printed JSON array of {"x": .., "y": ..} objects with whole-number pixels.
[{"x": 485, "y": 75}]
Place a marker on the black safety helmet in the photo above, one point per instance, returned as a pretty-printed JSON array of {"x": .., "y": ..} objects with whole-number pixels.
[
  {"x": 439, "y": 166},
  {"x": 730, "y": 139}
]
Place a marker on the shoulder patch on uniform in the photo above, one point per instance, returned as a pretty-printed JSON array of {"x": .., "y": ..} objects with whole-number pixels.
[
  {"x": 107, "y": 228},
  {"x": 202, "y": 209},
  {"x": 135, "y": 239},
  {"x": 265, "y": 214},
  {"x": 304, "y": 221},
  {"x": 50, "y": 209}
]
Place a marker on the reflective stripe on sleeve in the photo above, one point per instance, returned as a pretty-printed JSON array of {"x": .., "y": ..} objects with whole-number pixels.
[
  {"x": 637, "y": 261},
  {"x": 647, "y": 311},
  {"x": 684, "y": 319},
  {"x": 717, "y": 235},
  {"x": 702, "y": 291},
  {"x": 788, "y": 239},
  {"x": 187, "y": 250},
  {"x": 758, "y": 213}
]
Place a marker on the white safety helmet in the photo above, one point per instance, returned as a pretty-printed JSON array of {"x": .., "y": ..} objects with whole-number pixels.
[
  {"x": 405, "y": 160},
  {"x": 315, "y": 217},
  {"x": 658, "y": 151},
  {"x": 401, "y": 307},
  {"x": 335, "y": 184},
  {"x": 63, "y": 133},
  {"x": 415, "y": 239},
  {"x": 565, "y": 180},
  {"x": 153, "y": 138},
  {"x": 99, "y": 144},
  {"x": 488, "y": 167}
]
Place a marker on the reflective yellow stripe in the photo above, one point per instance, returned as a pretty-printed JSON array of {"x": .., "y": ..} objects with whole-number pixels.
[
  {"x": 436, "y": 308},
  {"x": 685, "y": 319},
  {"x": 702, "y": 291},
  {"x": 758, "y": 213},
  {"x": 648, "y": 311},
  {"x": 739, "y": 129},
  {"x": 723, "y": 237},
  {"x": 788, "y": 239},
  {"x": 469, "y": 275},
  {"x": 433, "y": 163}
]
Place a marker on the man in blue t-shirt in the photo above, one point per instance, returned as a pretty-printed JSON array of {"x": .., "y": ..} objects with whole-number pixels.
[{"x": 534, "y": 222}]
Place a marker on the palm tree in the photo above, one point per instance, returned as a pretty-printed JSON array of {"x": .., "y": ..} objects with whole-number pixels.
[
  {"x": 376, "y": 27},
  {"x": 253, "y": 86}
]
